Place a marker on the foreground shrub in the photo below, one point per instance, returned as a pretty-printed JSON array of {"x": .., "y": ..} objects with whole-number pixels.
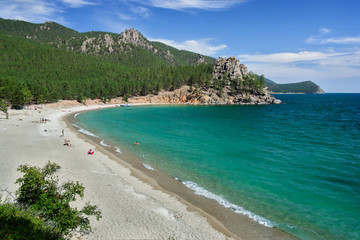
[
  {"x": 21, "y": 223},
  {"x": 43, "y": 206}
]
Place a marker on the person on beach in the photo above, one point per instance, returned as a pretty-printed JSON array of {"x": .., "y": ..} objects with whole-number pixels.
[
  {"x": 67, "y": 143},
  {"x": 91, "y": 152},
  {"x": 62, "y": 132}
]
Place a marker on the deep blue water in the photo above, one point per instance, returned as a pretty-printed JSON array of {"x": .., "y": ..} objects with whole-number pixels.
[{"x": 295, "y": 166}]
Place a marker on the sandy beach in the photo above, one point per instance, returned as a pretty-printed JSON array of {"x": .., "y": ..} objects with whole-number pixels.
[{"x": 136, "y": 203}]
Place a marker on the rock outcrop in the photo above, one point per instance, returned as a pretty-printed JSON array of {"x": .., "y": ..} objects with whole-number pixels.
[
  {"x": 107, "y": 44},
  {"x": 227, "y": 88},
  {"x": 230, "y": 68},
  {"x": 133, "y": 36}
]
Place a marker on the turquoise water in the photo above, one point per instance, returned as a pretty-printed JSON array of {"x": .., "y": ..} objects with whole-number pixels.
[{"x": 294, "y": 166}]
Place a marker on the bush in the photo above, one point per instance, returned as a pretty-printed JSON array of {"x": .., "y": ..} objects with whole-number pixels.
[
  {"x": 21, "y": 223},
  {"x": 43, "y": 208}
]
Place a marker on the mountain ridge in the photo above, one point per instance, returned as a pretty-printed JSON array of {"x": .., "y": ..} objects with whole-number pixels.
[{"x": 103, "y": 44}]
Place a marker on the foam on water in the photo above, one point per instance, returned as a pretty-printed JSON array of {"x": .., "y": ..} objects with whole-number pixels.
[
  {"x": 84, "y": 131},
  {"x": 205, "y": 193},
  {"x": 76, "y": 114},
  {"x": 148, "y": 166},
  {"x": 104, "y": 144},
  {"x": 118, "y": 150}
]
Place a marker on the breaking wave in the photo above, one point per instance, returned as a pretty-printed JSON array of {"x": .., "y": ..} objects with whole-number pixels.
[
  {"x": 84, "y": 131},
  {"x": 205, "y": 193}
]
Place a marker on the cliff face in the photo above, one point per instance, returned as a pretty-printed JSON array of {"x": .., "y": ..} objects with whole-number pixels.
[
  {"x": 228, "y": 87},
  {"x": 108, "y": 44},
  {"x": 230, "y": 68}
]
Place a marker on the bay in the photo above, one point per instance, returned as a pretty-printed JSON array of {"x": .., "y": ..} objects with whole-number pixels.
[{"x": 295, "y": 166}]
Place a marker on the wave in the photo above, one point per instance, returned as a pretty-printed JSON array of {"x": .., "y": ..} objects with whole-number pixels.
[
  {"x": 118, "y": 150},
  {"x": 76, "y": 114},
  {"x": 205, "y": 193},
  {"x": 84, "y": 131},
  {"x": 148, "y": 166},
  {"x": 104, "y": 144}
]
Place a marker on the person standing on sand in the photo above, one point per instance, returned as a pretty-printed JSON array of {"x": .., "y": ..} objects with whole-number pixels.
[{"x": 62, "y": 132}]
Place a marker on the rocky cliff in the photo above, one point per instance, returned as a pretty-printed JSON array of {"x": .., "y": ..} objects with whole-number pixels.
[
  {"x": 105, "y": 43},
  {"x": 230, "y": 84}
]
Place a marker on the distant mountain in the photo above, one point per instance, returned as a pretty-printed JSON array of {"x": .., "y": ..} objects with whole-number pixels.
[
  {"x": 299, "y": 87},
  {"x": 119, "y": 48}
]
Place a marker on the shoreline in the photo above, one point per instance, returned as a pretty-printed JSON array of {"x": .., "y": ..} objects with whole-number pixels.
[
  {"x": 136, "y": 202},
  {"x": 225, "y": 220}
]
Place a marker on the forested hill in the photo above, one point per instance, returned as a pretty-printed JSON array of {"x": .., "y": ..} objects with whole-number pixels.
[
  {"x": 299, "y": 87},
  {"x": 42, "y": 63},
  {"x": 129, "y": 48},
  {"x": 34, "y": 72}
]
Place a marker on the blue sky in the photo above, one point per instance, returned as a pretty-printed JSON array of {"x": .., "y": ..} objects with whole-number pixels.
[{"x": 286, "y": 40}]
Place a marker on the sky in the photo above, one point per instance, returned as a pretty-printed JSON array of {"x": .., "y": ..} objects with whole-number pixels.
[{"x": 286, "y": 40}]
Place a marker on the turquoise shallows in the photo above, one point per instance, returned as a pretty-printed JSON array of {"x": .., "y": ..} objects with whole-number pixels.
[{"x": 297, "y": 165}]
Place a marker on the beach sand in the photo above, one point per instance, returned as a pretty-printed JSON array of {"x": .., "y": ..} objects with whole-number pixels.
[{"x": 136, "y": 203}]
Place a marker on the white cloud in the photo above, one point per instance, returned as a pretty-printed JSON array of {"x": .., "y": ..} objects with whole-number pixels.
[
  {"x": 125, "y": 17},
  {"x": 141, "y": 11},
  {"x": 38, "y": 11},
  {"x": 288, "y": 57},
  {"x": 193, "y": 4},
  {"x": 325, "y": 30},
  {"x": 77, "y": 3},
  {"x": 29, "y": 10},
  {"x": 319, "y": 39},
  {"x": 199, "y": 46},
  {"x": 320, "y": 67},
  {"x": 343, "y": 40}
]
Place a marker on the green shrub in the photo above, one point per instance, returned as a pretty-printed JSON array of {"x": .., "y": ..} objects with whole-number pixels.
[
  {"x": 42, "y": 209},
  {"x": 22, "y": 223}
]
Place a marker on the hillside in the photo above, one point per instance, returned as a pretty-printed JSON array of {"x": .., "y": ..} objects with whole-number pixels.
[
  {"x": 307, "y": 87},
  {"x": 30, "y": 71},
  {"x": 119, "y": 48},
  {"x": 47, "y": 62}
]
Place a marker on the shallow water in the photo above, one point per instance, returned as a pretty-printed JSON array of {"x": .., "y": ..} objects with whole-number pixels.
[{"x": 294, "y": 166}]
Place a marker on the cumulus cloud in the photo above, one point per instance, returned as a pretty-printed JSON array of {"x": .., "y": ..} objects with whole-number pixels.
[
  {"x": 193, "y": 4},
  {"x": 202, "y": 46}
]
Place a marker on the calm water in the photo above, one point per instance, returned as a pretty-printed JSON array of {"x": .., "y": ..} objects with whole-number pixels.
[{"x": 294, "y": 166}]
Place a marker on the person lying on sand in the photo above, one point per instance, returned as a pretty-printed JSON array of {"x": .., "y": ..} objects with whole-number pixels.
[{"x": 67, "y": 143}]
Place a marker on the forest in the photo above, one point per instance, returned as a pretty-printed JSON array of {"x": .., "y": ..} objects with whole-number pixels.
[
  {"x": 42, "y": 63},
  {"x": 35, "y": 72}
]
